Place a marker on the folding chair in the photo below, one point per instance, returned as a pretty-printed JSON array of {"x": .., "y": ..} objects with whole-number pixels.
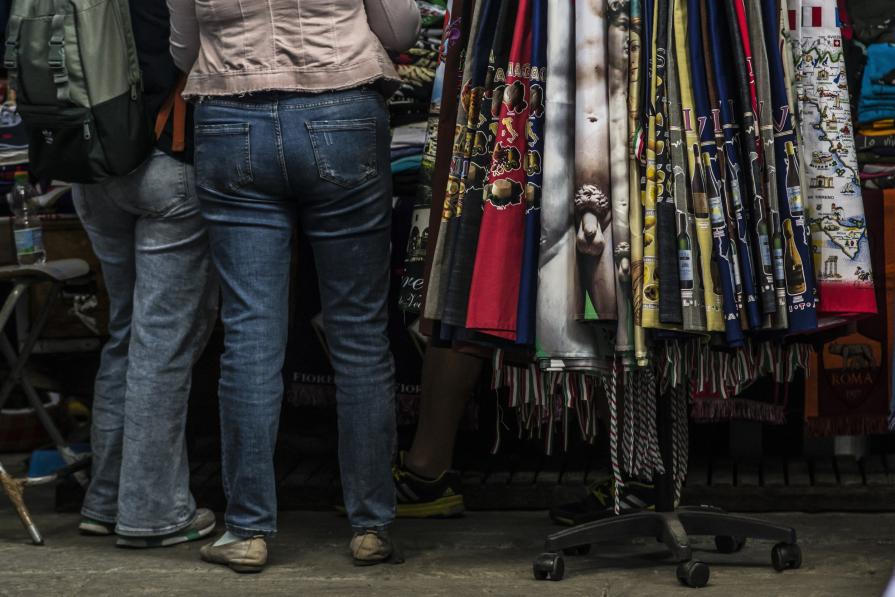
[{"x": 58, "y": 274}]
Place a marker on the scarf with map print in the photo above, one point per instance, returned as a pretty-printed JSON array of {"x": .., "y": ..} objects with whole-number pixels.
[{"x": 840, "y": 246}]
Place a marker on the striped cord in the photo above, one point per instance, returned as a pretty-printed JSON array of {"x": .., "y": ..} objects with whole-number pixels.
[
  {"x": 655, "y": 456},
  {"x": 628, "y": 427},
  {"x": 609, "y": 385},
  {"x": 680, "y": 435}
]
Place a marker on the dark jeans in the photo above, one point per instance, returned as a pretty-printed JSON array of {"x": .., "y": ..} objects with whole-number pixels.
[{"x": 263, "y": 163}]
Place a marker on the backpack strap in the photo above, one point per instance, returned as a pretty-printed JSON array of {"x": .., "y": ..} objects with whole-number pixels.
[
  {"x": 11, "y": 55},
  {"x": 133, "y": 60},
  {"x": 174, "y": 106},
  {"x": 56, "y": 56}
]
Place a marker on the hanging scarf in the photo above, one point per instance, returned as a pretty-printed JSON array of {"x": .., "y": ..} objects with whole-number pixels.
[
  {"x": 593, "y": 209},
  {"x": 762, "y": 107},
  {"x": 692, "y": 296},
  {"x": 492, "y": 52},
  {"x": 727, "y": 139},
  {"x": 563, "y": 343},
  {"x": 835, "y": 209},
  {"x": 799, "y": 275},
  {"x": 667, "y": 262},
  {"x": 481, "y": 33},
  {"x": 714, "y": 187},
  {"x": 709, "y": 270},
  {"x": 436, "y": 151},
  {"x": 756, "y": 202},
  {"x": 635, "y": 150},
  {"x": 494, "y": 292},
  {"x": 619, "y": 42},
  {"x": 534, "y": 158},
  {"x": 650, "y": 289}
]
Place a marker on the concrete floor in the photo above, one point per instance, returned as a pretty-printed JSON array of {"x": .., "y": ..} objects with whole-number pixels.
[{"x": 483, "y": 553}]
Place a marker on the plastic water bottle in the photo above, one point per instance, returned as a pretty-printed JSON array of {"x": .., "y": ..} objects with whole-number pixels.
[{"x": 26, "y": 223}]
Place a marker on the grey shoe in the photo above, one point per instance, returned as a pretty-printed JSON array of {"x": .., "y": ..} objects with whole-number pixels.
[
  {"x": 371, "y": 547},
  {"x": 97, "y": 528},
  {"x": 247, "y": 555},
  {"x": 202, "y": 526}
]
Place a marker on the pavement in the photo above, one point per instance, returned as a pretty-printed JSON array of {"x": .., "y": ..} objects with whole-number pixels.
[{"x": 482, "y": 553}]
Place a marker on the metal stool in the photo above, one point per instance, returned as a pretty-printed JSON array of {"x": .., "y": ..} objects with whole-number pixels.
[{"x": 23, "y": 277}]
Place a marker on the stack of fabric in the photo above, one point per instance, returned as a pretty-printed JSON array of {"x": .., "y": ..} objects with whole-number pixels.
[
  {"x": 869, "y": 29},
  {"x": 416, "y": 67}
]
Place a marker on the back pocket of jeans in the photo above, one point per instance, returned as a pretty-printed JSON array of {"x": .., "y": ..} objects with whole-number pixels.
[
  {"x": 345, "y": 150},
  {"x": 223, "y": 157}
]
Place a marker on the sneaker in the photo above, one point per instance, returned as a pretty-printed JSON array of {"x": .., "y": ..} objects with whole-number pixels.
[
  {"x": 371, "y": 547},
  {"x": 245, "y": 556},
  {"x": 96, "y": 528},
  {"x": 599, "y": 503},
  {"x": 202, "y": 526},
  {"x": 418, "y": 497}
]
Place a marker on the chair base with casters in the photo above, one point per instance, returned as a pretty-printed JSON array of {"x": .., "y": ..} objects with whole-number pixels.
[
  {"x": 57, "y": 274},
  {"x": 673, "y": 530},
  {"x": 671, "y": 527}
]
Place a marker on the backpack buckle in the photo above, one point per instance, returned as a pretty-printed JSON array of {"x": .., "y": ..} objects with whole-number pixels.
[
  {"x": 56, "y": 58},
  {"x": 10, "y": 56}
]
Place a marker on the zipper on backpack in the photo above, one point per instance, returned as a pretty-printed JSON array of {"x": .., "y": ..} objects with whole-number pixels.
[{"x": 87, "y": 134}]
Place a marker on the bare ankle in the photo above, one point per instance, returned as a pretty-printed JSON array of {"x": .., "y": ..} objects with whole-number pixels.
[{"x": 424, "y": 468}]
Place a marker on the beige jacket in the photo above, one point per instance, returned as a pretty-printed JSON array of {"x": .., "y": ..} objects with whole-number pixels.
[{"x": 232, "y": 47}]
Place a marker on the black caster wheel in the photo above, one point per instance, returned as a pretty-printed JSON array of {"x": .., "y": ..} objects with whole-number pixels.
[
  {"x": 693, "y": 574},
  {"x": 549, "y": 566},
  {"x": 578, "y": 550},
  {"x": 728, "y": 544},
  {"x": 786, "y": 556}
]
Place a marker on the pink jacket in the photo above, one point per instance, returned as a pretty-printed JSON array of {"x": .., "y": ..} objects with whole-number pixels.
[{"x": 232, "y": 47}]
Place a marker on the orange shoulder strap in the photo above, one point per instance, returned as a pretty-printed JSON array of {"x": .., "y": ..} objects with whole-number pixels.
[{"x": 176, "y": 106}]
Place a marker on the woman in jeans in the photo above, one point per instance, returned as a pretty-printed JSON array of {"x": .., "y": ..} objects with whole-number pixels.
[{"x": 292, "y": 128}]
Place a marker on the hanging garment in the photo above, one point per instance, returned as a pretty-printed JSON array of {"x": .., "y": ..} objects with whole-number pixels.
[
  {"x": 799, "y": 274},
  {"x": 444, "y": 88},
  {"x": 666, "y": 237},
  {"x": 593, "y": 209},
  {"x": 690, "y": 273},
  {"x": 711, "y": 283},
  {"x": 619, "y": 41},
  {"x": 687, "y": 11},
  {"x": 762, "y": 106},
  {"x": 727, "y": 140},
  {"x": 743, "y": 89},
  {"x": 835, "y": 209},
  {"x": 458, "y": 268},
  {"x": 636, "y": 76},
  {"x": 534, "y": 159},
  {"x": 494, "y": 292},
  {"x": 650, "y": 284},
  {"x": 481, "y": 33},
  {"x": 563, "y": 343}
]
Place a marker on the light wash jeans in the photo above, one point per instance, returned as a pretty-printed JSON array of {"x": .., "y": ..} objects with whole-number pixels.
[
  {"x": 149, "y": 236},
  {"x": 263, "y": 163}
]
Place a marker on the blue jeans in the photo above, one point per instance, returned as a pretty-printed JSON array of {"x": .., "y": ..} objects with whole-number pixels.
[
  {"x": 263, "y": 163},
  {"x": 149, "y": 236}
]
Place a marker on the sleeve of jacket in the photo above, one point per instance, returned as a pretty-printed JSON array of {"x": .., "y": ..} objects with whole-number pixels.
[
  {"x": 184, "y": 33},
  {"x": 395, "y": 22}
]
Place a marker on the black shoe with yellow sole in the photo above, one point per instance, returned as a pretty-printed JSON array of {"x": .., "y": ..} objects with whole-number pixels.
[
  {"x": 599, "y": 503},
  {"x": 419, "y": 497}
]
